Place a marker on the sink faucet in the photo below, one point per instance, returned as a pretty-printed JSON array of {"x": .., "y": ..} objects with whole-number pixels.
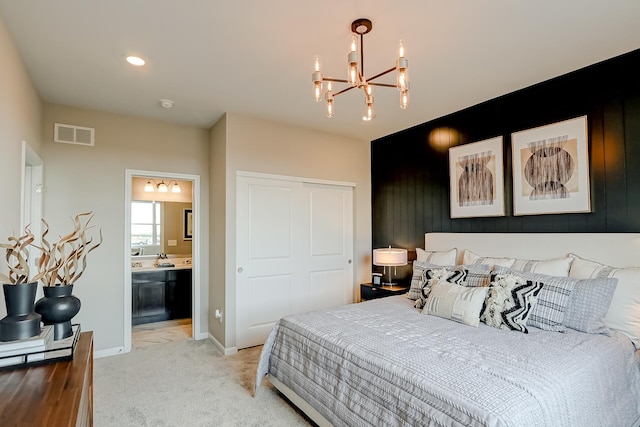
[{"x": 162, "y": 256}]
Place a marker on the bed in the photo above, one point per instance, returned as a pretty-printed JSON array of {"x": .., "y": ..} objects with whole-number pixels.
[{"x": 384, "y": 362}]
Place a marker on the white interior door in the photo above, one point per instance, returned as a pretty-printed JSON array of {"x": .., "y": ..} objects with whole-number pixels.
[
  {"x": 31, "y": 207},
  {"x": 294, "y": 251},
  {"x": 329, "y": 264}
]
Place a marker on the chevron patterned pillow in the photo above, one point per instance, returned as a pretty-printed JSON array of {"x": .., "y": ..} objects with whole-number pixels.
[
  {"x": 419, "y": 277},
  {"x": 548, "y": 314},
  {"x": 432, "y": 275},
  {"x": 509, "y": 302}
]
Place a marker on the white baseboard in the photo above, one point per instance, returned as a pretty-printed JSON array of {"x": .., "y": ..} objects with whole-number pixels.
[
  {"x": 202, "y": 336},
  {"x": 108, "y": 352},
  {"x": 226, "y": 351}
]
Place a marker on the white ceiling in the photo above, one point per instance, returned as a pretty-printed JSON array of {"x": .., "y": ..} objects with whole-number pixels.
[{"x": 255, "y": 57}]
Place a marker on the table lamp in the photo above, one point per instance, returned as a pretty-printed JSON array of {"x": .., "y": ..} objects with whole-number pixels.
[{"x": 389, "y": 257}]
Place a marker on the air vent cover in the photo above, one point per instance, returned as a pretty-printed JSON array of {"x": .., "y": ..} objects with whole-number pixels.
[{"x": 70, "y": 134}]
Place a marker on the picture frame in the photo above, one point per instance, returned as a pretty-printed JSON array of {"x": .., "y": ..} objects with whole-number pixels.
[
  {"x": 476, "y": 179},
  {"x": 187, "y": 225},
  {"x": 376, "y": 279},
  {"x": 551, "y": 168}
]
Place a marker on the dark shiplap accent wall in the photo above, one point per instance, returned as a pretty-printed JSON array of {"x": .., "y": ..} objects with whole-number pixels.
[{"x": 410, "y": 169}]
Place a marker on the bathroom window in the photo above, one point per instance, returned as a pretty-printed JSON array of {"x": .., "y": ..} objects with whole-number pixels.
[{"x": 145, "y": 223}]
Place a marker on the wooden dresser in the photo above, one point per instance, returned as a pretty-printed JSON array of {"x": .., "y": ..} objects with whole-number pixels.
[{"x": 58, "y": 394}]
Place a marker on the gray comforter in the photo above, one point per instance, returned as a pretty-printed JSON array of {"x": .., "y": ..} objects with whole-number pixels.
[{"x": 382, "y": 362}]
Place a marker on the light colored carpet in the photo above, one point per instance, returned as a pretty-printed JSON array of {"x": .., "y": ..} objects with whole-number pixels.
[{"x": 186, "y": 383}]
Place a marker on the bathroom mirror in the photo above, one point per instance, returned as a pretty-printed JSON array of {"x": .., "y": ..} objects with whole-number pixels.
[{"x": 158, "y": 227}]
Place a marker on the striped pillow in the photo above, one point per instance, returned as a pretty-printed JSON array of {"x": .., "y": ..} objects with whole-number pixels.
[
  {"x": 432, "y": 276},
  {"x": 455, "y": 302},
  {"x": 475, "y": 275},
  {"x": 548, "y": 314},
  {"x": 437, "y": 257},
  {"x": 473, "y": 258},
  {"x": 624, "y": 311},
  {"x": 418, "y": 278},
  {"x": 551, "y": 267}
]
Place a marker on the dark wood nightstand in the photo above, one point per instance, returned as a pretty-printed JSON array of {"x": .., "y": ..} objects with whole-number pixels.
[{"x": 369, "y": 291}]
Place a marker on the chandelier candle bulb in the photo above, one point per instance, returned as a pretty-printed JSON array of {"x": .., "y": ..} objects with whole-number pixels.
[
  {"x": 329, "y": 106},
  {"x": 368, "y": 115},
  {"x": 403, "y": 73},
  {"x": 316, "y": 77},
  {"x": 404, "y": 99},
  {"x": 329, "y": 98}
]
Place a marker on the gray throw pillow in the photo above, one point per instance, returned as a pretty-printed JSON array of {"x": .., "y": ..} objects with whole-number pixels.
[{"x": 589, "y": 304}]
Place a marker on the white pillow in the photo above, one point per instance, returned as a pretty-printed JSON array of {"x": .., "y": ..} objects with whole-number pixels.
[
  {"x": 551, "y": 267},
  {"x": 624, "y": 311},
  {"x": 472, "y": 258},
  {"x": 437, "y": 257},
  {"x": 455, "y": 302}
]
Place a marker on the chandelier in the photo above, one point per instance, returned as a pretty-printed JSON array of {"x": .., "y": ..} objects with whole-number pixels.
[{"x": 356, "y": 77}]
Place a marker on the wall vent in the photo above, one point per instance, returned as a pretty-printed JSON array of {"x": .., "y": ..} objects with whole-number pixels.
[{"x": 70, "y": 134}]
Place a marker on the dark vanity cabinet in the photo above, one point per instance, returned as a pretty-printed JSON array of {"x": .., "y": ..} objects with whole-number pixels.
[
  {"x": 160, "y": 295},
  {"x": 178, "y": 293}
]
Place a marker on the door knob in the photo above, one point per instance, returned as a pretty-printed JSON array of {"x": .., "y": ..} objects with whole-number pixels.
[{"x": 240, "y": 269}]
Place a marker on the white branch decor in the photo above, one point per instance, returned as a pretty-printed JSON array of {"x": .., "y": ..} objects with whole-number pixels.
[
  {"x": 17, "y": 257},
  {"x": 63, "y": 262}
]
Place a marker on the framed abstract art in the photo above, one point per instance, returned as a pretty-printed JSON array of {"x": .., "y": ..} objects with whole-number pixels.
[
  {"x": 187, "y": 225},
  {"x": 476, "y": 177},
  {"x": 551, "y": 169}
]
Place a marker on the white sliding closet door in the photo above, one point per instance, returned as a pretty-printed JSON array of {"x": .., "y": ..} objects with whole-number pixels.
[{"x": 294, "y": 251}]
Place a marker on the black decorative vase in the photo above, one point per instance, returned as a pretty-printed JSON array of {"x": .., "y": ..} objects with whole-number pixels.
[
  {"x": 57, "y": 308},
  {"x": 22, "y": 321}
]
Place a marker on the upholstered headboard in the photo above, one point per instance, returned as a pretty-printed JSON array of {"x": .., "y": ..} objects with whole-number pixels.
[{"x": 616, "y": 249}]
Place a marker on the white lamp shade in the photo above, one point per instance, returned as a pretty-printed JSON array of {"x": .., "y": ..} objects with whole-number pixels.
[{"x": 390, "y": 257}]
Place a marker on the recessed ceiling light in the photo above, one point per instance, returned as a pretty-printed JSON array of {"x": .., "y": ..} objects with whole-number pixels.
[
  {"x": 134, "y": 60},
  {"x": 166, "y": 103}
]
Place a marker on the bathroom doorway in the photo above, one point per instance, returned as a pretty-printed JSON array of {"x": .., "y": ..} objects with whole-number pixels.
[{"x": 162, "y": 300}]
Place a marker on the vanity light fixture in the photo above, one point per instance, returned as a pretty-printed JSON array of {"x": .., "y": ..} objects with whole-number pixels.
[
  {"x": 161, "y": 186},
  {"x": 356, "y": 77}
]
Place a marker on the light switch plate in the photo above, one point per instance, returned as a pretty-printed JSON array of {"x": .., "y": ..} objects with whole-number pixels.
[{"x": 172, "y": 243}]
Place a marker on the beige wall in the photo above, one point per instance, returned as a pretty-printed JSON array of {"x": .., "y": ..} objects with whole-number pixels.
[
  {"x": 80, "y": 178},
  {"x": 217, "y": 222},
  {"x": 172, "y": 228},
  {"x": 20, "y": 118},
  {"x": 259, "y": 146}
]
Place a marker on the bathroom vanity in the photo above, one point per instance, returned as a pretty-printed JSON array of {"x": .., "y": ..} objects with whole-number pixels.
[{"x": 160, "y": 293}]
